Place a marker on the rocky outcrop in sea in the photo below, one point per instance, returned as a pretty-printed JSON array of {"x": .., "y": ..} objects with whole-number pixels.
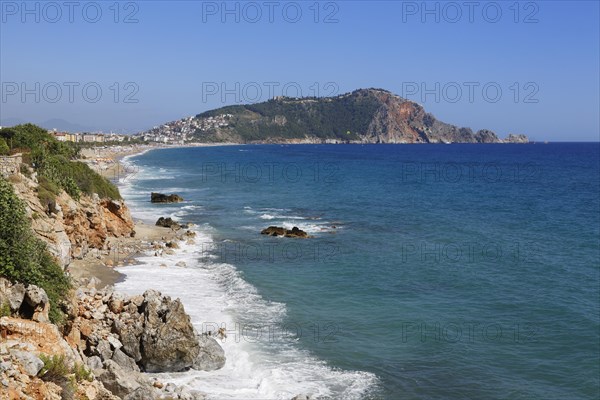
[
  {"x": 165, "y": 198},
  {"x": 295, "y": 232}
]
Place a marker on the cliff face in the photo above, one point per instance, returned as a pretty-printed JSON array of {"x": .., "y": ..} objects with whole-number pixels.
[
  {"x": 363, "y": 116},
  {"x": 110, "y": 337},
  {"x": 398, "y": 120},
  {"x": 75, "y": 227}
]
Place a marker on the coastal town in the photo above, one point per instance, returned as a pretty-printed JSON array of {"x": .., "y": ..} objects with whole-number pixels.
[
  {"x": 183, "y": 130},
  {"x": 171, "y": 133}
]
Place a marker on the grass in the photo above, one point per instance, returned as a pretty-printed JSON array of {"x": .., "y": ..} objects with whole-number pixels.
[
  {"x": 4, "y": 310},
  {"x": 57, "y": 370}
]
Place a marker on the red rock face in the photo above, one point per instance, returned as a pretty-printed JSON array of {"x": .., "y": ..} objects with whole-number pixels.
[
  {"x": 90, "y": 223},
  {"x": 397, "y": 121}
]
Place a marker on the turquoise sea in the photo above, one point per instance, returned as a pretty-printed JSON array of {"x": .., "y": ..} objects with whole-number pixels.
[{"x": 434, "y": 271}]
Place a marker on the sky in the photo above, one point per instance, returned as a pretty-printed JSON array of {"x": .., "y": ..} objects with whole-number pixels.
[{"x": 530, "y": 67}]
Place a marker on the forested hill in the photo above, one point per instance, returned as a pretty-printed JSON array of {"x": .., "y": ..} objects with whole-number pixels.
[{"x": 365, "y": 116}]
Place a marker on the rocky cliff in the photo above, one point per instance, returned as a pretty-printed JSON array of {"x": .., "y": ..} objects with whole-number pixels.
[
  {"x": 72, "y": 228},
  {"x": 105, "y": 343}
]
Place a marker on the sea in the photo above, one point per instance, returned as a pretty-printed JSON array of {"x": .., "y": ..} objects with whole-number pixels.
[{"x": 462, "y": 271}]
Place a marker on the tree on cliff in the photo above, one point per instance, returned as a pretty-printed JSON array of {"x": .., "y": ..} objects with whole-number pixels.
[
  {"x": 4, "y": 149},
  {"x": 56, "y": 166},
  {"x": 23, "y": 257}
]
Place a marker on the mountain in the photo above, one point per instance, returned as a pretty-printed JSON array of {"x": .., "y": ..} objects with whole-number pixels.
[
  {"x": 65, "y": 126},
  {"x": 362, "y": 116},
  {"x": 11, "y": 121},
  {"x": 54, "y": 123}
]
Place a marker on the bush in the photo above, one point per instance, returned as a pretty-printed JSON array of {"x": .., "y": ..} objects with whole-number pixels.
[
  {"x": 29, "y": 136},
  {"x": 4, "y": 310},
  {"x": 24, "y": 169},
  {"x": 25, "y": 258},
  {"x": 55, "y": 368},
  {"x": 4, "y": 149},
  {"x": 57, "y": 371},
  {"x": 47, "y": 192},
  {"x": 53, "y": 160},
  {"x": 82, "y": 373}
]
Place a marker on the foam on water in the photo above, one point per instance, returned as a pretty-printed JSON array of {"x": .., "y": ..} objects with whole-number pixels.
[{"x": 264, "y": 360}]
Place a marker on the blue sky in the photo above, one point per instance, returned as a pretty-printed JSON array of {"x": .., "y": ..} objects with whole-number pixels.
[{"x": 526, "y": 67}]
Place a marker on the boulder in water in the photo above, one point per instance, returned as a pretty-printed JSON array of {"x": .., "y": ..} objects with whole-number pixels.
[
  {"x": 295, "y": 232},
  {"x": 165, "y": 198}
]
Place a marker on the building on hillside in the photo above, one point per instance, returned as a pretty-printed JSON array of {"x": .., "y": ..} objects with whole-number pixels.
[
  {"x": 72, "y": 137},
  {"x": 88, "y": 138}
]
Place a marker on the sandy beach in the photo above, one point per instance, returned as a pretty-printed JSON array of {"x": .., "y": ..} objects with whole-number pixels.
[{"x": 122, "y": 251}]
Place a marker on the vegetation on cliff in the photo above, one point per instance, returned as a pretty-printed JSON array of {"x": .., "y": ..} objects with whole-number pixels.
[
  {"x": 4, "y": 149},
  {"x": 364, "y": 115},
  {"x": 53, "y": 160},
  {"x": 342, "y": 117},
  {"x": 23, "y": 257}
]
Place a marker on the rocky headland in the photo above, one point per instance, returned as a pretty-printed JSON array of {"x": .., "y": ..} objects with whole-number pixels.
[{"x": 362, "y": 116}]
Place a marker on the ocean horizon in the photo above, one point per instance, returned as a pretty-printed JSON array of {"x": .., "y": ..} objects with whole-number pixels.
[{"x": 433, "y": 272}]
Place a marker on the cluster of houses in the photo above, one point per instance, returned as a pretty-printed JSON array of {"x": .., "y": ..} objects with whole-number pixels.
[
  {"x": 180, "y": 131},
  {"x": 88, "y": 137},
  {"x": 175, "y": 132}
]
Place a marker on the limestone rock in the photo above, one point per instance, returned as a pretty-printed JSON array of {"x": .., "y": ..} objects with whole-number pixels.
[
  {"x": 141, "y": 393},
  {"x": 167, "y": 223},
  {"x": 38, "y": 302},
  {"x": 31, "y": 364},
  {"x": 512, "y": 138},
  {"x": 168, "y": 342},
  {"x": 124, "y": 361},
  {"x": 43, "y": 338},
  {"x": 211, "y": 355},
  {"x": 94, "y": 363},
  {"x": 103, "y": 350},
  {"x": 94, "y": 391},
  {"x": 117, "y": 380},
  {"x": 130, "y": 338},
  {"x": 16, "y": 295}
]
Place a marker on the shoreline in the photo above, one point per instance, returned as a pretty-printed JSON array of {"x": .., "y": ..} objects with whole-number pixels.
[
  {"x": 150, "y": 257},
  {"x": 123, "y": 251}
]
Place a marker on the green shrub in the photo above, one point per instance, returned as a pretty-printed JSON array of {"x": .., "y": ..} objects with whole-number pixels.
[
  {"x": 29, "y": 136},
  {"x": 55, "y": 368},
  {"x": 25, "y": 258},
  {"x": 47, "y": 192},
  {"x": 4, "y": 310},
  {"x": 71, "y": 188},
  {"x": 24, "y": 169},
  {"x": 82, "y": 373},
  {"x": 4, "y": 149},
  {"x": 53, "y": 160},
  {"x": 57, "y": 371}
]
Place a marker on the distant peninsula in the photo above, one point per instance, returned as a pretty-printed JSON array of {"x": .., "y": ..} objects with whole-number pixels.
[{"x": 362, "y": 116}]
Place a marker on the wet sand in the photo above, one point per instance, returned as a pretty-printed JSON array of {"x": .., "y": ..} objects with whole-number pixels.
[{"x": 123, "y": 250}]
